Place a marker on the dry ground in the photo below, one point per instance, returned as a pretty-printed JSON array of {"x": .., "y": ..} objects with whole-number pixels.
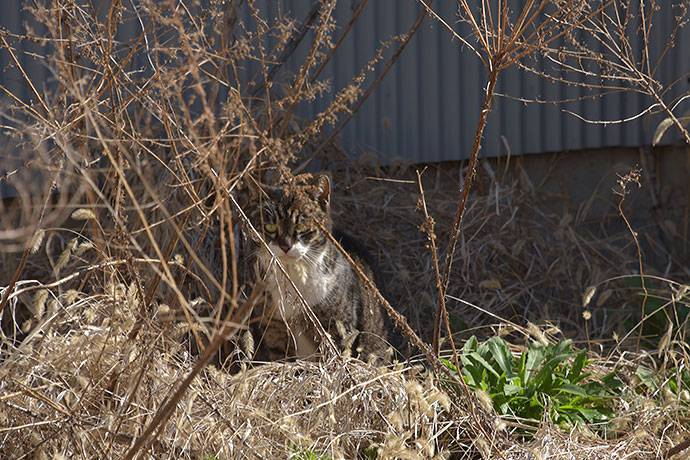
[{"x": 95, "y": 365}]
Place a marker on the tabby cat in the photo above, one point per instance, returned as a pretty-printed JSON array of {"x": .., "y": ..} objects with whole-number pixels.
[{"x": 289, "y": 218}]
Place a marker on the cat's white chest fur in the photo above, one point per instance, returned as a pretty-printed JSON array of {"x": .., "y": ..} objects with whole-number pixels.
[{"x": 313, "y": 284}]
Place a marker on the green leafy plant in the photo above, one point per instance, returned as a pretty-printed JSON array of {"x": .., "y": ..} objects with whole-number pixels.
[
  {"x": 372, "y": 453},
  {"x": 309, "y": 455},
  {"x": 675, "y": 383},
  {"x": 545, "y": 378},
  {"x": 300, "y": 453}
]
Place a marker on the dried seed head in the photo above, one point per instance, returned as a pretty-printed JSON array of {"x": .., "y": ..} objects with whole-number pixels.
[
  {"x": 248, "y": 343},
  {"x": 83, "y": 214},
  {"x": 485, "y": 399},
  {"x": 37, "y": 240},
  {"x": 537, "y": 333},
  {"x": 499, "y": 424},
  {"x": 163, "y": 310},
  {"x": 438, "y": 396},
  {"x": 604, "y": 297},
  {"x": 64, "y": 256},
  {"x": 38, "y": 307},
  {"x": 589, "y": 293},
  {"x": 53, "y": 306},
  {"x": 70, "y": 297},
  {"x": 83, "y": 247}
]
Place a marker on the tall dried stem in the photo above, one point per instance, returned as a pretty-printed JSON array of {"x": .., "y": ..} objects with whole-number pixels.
[{"x": 500, "y": 43}]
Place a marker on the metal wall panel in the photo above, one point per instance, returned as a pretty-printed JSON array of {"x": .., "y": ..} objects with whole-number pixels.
[{"x": 427, "y": 107}]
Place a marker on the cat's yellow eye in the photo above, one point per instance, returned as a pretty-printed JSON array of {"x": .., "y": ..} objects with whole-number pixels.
[
  {"x": 270, "y": 228},
  {"x": 301, "y": 228}
]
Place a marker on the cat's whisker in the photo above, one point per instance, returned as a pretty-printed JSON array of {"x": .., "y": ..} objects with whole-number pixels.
[{"x": 311, "y": 259}]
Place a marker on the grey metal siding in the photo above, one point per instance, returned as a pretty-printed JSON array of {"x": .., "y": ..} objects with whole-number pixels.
[{"x": 427, "y": 107}]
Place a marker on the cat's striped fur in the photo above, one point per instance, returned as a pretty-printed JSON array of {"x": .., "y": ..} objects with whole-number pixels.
[{"x": 289, "y": 218}]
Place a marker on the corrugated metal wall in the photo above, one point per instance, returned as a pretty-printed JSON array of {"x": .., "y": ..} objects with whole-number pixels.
[{"x": 427, "y": 107}]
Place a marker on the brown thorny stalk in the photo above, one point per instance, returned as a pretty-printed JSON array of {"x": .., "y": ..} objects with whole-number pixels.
[
  {"x": 499, "y": 50},
  {"x": 633, "y": 177},
  {"x": 501, "y": 44}
]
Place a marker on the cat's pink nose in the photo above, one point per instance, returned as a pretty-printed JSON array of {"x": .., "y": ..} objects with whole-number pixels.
[{"x": 285, "y": 248}]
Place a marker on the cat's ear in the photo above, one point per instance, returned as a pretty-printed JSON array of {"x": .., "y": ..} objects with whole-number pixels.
[
  {"x": 258, "y": 192},
  {"x": 323, "y": 190},
  {"x": 254, "y": 190}
]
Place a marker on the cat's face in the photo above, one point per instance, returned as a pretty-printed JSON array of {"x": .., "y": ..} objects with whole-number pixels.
[{"x": 288, "y": 219}]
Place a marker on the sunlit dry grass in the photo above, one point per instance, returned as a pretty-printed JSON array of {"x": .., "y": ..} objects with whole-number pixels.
[{"x": 120, "y": 263}]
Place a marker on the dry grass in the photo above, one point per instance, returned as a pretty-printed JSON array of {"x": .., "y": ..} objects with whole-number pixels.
[
  {"x": 124, "y": 258},
  {"x": 517, "y": 259},
  {"x": 82, "y": 385}
]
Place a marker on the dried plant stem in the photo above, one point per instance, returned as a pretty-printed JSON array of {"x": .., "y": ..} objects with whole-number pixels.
[
  {"x": 674, "y": 119},
  {"x": 148, "y": 298},
  {"x": 634, "y": 177},
  {"x": 166, "y": 410},
  {"x": 677, "y": 448},
  {"x": 28, "y": 82},
  {"x": 291, "y": 46},
  {"x": 225, "y": 37},
  {"x": 91, "y": 268},
  {"x": 428, "y": 228},
  {"x": 15, "y": 278},
  {"x": 686, "y": 210},
  {"x": 469, "y": 177},
  {"x": 368, "y": 92},
  {"x": 432, "y": 358},
  {"x": 22, "y": 263},
  {"x": 308, "y": 63},
  {"x": 347, "y": 28}
]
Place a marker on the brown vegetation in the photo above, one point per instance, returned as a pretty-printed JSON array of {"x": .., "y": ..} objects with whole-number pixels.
[{"x": 122, "y": 256}]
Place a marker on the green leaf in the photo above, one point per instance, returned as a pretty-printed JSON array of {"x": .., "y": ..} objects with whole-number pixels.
[
  {"x": 476, "y": 356},
  {"x": 572, "y": 389},
  {"x": 611, "y": 382},
  {"x": 549, "y": 367},
  {"x": 472, "y": 372},
  {"x": 575, "y": 374},
  {"x": 449, "y": 365},
  {"x": 470, "y": 345},
  {"x": 560, "y": 348},
  {"x": 521, "y": 366},
  {"x": 501, "y": 353},
  {"x": 591, "y": 415},
  {"x": 535, "y": 355},
  {"x": 648, "y": 378},
  {"x": 534, "y": 401},
  {"x": 540, "y": 378},
  {"x": 510, "y": 389}
]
